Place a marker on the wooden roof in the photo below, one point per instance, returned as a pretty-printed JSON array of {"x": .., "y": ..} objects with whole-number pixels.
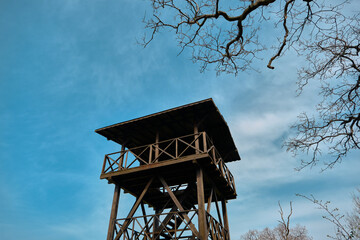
[{"x": 173, "y": 123}]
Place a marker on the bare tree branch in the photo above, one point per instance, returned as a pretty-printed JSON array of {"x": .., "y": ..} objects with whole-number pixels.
[
  {"x": 281, "y": 231},
  {"x": 335, "y": 60},
  {"x": 229, "y": 36},
  {"x": 346, "y": 228}
]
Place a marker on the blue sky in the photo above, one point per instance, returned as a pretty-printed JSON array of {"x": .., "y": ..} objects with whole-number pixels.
[{"x": 68, "y": 67}]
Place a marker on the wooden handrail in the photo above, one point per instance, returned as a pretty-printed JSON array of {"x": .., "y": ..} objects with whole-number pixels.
[
  {"x": 169, "y": 149},
  {"x": 216, "y": 229},
  {"x": 147, "y": 150},
  {"x": 140, "y": 229}
]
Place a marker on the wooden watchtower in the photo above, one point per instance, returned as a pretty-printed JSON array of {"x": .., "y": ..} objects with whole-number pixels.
[{"x": 174, "y": 164}]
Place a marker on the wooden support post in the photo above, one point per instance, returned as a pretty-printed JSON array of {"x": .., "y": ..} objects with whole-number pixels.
[
  {"x": 176, "y": 148},
  {"x": 145, "y": 218},
  {"x": 113, "y": 215},
  {"x": 209, "y": 201},
  {"x": 157, "y": 146},
  {"x": 133, "y": 210},
  {"x": 217, "y": 208},
  {"x": 104, "y": 164},
  {"x": 201, "y": 204},
  {"x": 121, "y": 160},
  {"x": 213, "y": 154},
  {"x": 156, "y": 220},
  {"x": 150, "y": 154},
  {"x": 204, "y": 141},
  {"x": 196, "y": 135},
  {"x": 224, "y": 212}
]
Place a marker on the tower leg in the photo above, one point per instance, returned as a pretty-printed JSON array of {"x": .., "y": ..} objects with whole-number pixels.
[
  {"x": 201, "y": 204},
  {"x": 156, "y": 220},
  {"x": 114, "y": 210},
  {"x": 225, "y": 217}
]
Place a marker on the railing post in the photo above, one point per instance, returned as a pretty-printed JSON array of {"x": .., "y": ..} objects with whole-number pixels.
[
  {"x": 156, "y": 221},
  {"x": 176, "y": 147},
  {"x": 121, "y": 160},
  {"x": 204, "y": 141},
  {"x": 104, "y": 164},
  {"x": 196, "y": 136},
  {"x": 150, "y": 153},
  {"x": 233, "y": 183},
  {"x": 213, "y": 154},
  {"x": 157, "y": 146},
  {"x": 222, "y": 168},
  {"x": 201, "y": 204},
  {"x": 225, "y": 217},
  {"x": 126, "y": 158}
]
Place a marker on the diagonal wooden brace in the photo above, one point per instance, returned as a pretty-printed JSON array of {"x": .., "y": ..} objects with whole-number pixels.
[
  {"x": 179, "y": 206},
  {"x": 133, "y": 210},
  {"x": 174, "y": 208}
]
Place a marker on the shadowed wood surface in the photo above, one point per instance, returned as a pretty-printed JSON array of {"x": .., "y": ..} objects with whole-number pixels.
[
  {"x": 173, "y": 123},
  {"x": 174, "y": 174}
]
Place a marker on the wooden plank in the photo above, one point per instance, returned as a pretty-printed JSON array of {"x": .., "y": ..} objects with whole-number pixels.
[
  {"x": 114, "y": 210},
  {"x": 201, "y": 204}
]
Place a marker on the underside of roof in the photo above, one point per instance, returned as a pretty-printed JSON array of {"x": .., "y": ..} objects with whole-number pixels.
[{"x": 173, "y": 123}]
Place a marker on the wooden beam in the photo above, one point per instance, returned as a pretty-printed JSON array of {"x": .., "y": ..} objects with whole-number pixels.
[
  {"x": 218, "y": 209},
  {"x": 209, "y": 201},
  {"x": 114, "y": 210},
  {"x": 157, "y": 146},
  {"x": 133, "y": 209},
  {"x": 121, "y": 160},
  {"x": 224, "y": 212},
  {"x": 150, "y": 153},
  {"x": 156, "y": 219},
  {"x": 145, "y": 218},
  {"x": 196, "y": 136},
  {"x": 204, "y": 141},
  {"x": 201, "y": 204}
]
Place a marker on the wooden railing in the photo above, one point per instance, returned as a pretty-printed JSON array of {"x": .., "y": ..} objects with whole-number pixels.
[
  {"x": 158, "y": 226},
  {"x": 215, "y": 229},
  {"x": 171, "y": 149},
  {"x": 217, "y": 159},
  {"x": 161, "y": 226}
]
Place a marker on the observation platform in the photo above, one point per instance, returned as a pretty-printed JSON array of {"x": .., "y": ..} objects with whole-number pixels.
[{"x": 173, "y": 144}]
